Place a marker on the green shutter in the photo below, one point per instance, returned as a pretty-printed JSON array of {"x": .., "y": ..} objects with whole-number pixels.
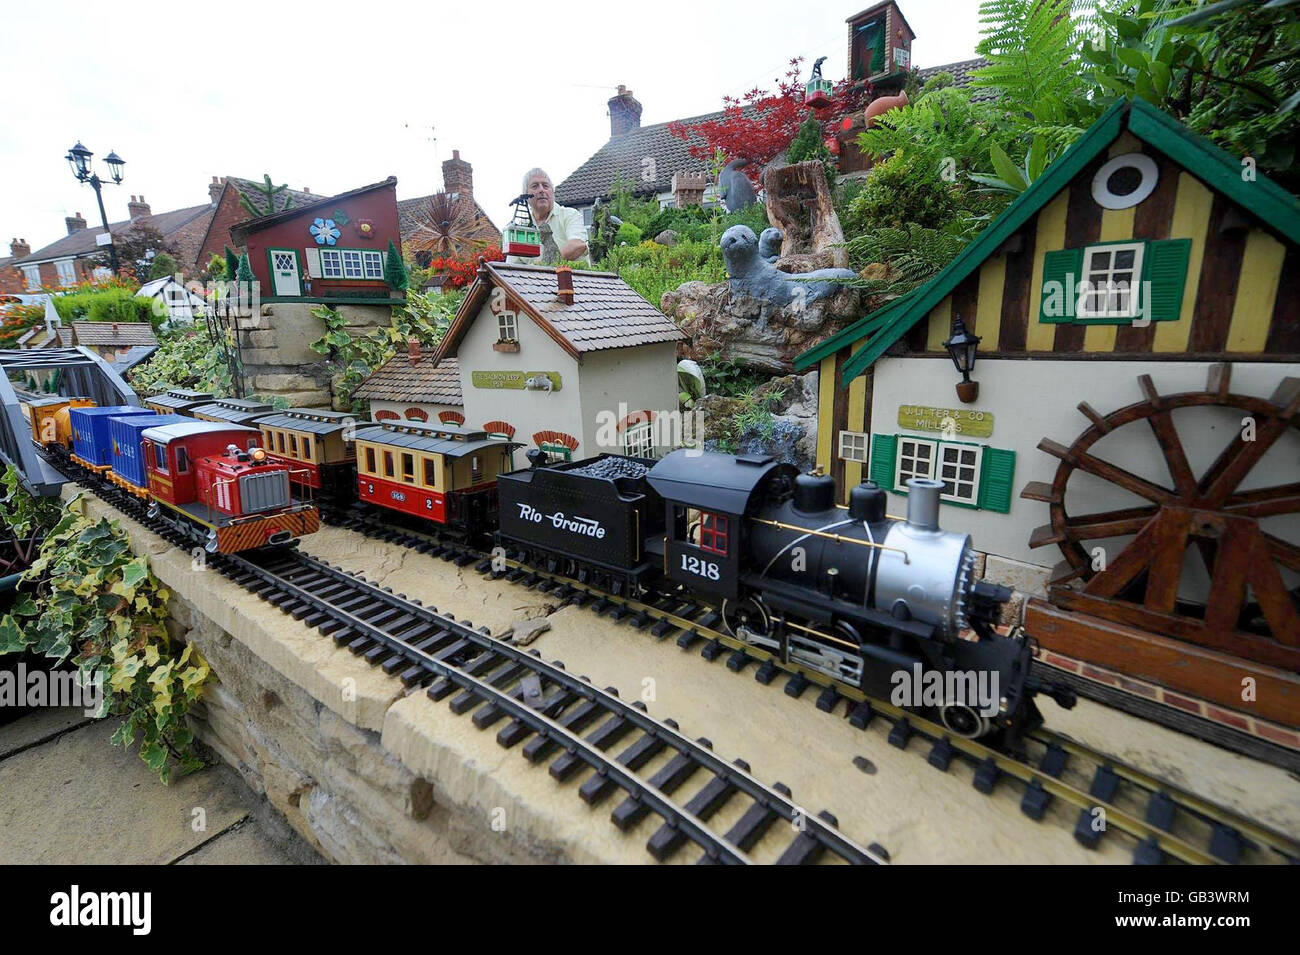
[
  {"x": 996, "y": 474},
  {"x": 1165, "y": 267},
  {"x": 1061, "y": 271},
  {"x": 883, "y": 449}
]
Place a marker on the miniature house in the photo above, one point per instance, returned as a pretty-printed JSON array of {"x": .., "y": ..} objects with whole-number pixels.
[
  {"x": 1138, "y": 320},
  {"x": 414, "y": 386},
  {"x": 574, "y": 363},
  {"x": 332, "y": 250}
]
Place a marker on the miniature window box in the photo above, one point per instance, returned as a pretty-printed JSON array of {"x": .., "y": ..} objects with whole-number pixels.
[{"x": 507, "y": 346}]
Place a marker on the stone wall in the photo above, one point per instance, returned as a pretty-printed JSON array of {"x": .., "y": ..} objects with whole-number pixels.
[{"x": 279, "y": 360}]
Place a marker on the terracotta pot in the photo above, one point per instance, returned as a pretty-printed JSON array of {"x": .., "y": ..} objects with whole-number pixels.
[{"x": 882, "y": 105}]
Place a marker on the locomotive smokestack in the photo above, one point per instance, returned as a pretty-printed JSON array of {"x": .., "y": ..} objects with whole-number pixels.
[{"x": 923, "y": 503}]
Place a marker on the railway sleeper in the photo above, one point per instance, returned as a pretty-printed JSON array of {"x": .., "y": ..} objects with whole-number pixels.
[
  {"x": 602, "y": 738},
  {"x": 755, "y": 823},
  {"x": 575, "y": 721},
  {"x": 668, "y": 838},
  {"x": 668, "y": 780},
  {"x": 806, "y": 848},
  {"x": 599, "y": 786}
]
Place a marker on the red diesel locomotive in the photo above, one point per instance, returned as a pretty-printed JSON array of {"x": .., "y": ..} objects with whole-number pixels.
[{"x": 223, "y": 490}]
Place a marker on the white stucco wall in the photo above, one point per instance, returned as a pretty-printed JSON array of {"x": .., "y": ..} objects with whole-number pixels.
[
  {"x": 620, "y": 381},
  {"x": 1031, "y": 400}
]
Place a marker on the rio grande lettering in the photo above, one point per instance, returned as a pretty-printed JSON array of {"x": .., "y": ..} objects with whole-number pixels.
[{"x": 575, "y": 525}]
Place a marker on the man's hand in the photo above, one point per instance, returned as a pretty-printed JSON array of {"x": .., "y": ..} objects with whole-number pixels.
[{"x": 573, "y": 249}]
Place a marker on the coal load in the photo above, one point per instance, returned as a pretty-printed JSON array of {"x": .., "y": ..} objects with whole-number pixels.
[{"x": 613, "y": 467}]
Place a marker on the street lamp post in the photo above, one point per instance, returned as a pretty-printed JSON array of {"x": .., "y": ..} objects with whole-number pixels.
[{"x": 78, "y": 158}]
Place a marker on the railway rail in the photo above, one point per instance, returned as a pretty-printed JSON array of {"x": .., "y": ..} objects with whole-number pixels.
[
  {"x": 1164, "y": 821},
  {"x": 548, "y": 712}
]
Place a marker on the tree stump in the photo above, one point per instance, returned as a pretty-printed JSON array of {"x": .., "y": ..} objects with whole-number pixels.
[{"x": 799, "y": 204}]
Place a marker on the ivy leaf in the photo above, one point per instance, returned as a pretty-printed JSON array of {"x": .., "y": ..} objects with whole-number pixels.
[
  {"x": 154, "y": 756},
  {"x": 26, "y": 607},
  {"x": 124, "y": 736},
  {"x": 11, "y": 638}
]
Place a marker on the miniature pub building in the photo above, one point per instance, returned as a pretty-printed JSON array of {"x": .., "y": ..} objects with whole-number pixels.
[
  {"x": 573, "y": 363},
  {"x": 1136, "y": 411}
]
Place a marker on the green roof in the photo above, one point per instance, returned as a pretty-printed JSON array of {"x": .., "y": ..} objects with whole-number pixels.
[{"x": 1219, "y": 170}]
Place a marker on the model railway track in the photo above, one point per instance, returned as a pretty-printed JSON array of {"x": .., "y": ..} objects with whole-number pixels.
[
  {"x": 1165, "y": 822},
  {"x": 548, "y": 710}
]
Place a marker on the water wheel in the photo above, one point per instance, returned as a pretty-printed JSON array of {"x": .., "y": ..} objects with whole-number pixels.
[{"x": 1247, "y": 608}]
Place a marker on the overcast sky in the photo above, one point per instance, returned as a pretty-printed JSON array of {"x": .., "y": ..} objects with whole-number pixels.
[{"x": 337, "y": 95}]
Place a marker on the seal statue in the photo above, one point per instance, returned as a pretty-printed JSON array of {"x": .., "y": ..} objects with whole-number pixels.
[
  {"x": 737, "y": 191},
  {"x": 750, "y": 274},
  {"x": 769, "y": 245}
]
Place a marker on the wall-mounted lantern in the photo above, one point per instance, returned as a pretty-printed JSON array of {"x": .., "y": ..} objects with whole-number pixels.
[{"x": 962, "y": 347}]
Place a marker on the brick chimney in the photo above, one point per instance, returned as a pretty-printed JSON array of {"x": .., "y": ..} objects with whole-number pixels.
[
  {"x": 564, "y": 284},
  {"x": 214, "y": 189},
  {"x": 19, "y": 248},
  {"x": 137, "y": 207},
  {"x": 307, "y": 190},
  {"x": 74, "y": 223},
  {"x": 458, "y": 176},
  {"x": 624, "y": 113},
  {"x": 413, "y": 346}
]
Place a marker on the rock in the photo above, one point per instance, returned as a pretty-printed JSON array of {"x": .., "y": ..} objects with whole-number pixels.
[
  {"x": 754, "y": 333},
  {"x": 805, "y": 262},
  {"x": 667, "y": 237},
  {"x": 526, "y": 631},
  {"x": 877, "y": 271}
]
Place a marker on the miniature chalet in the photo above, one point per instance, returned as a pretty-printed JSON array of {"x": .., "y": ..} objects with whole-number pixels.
[
  {"x": 574, "y": 369},
  {"x": 330, "y": 250},
  {"x": 1137, "y": 410}
]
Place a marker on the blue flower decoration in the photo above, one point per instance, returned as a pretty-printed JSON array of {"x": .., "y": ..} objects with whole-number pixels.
[{"x": 325, "y": 231}]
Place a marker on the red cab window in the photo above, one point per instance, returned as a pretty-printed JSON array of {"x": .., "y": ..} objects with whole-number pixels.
[{"x": 713, "y": 534}]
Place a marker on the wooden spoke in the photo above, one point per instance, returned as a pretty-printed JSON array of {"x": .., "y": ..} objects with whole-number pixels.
[
  {"x": 1124, "y": 568},
  {"x": 1265, "y": 501},
  {"x": 1162, "y": 423},
  {"x": 1168, "y": 548},
  {"x": 1128, "y": 520},
  {"x": 1235, "y": 462},
  {"x": 1274, "y": 599},
  {"x": 1125, "y": 479},
  {"x": 1288, "y": 555}
]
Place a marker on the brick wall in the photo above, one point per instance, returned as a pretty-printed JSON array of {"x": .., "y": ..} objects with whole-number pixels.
[{"x": 229, "y": 211}]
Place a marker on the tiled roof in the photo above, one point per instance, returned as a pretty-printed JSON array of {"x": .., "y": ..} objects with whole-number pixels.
[
  {"x": 413, "y": 221},
  {"x": 240, "y": 230},
  {"x": 83, "y": 242},
  {"x": 114, "y": 334},
  {"x": 289, "y": 198},
  {"x": 623, "y": 157},
  {"x": 606, "y": 311},
  {"x": 428, "y": 380}
]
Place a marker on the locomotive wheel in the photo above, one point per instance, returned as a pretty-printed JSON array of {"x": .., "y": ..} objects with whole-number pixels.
[
  {"x": 964, "y": 721},
  {"x": 748, "y": 613}
]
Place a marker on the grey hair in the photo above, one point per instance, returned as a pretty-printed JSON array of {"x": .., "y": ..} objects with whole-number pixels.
[{"x": 532, "y": 172}]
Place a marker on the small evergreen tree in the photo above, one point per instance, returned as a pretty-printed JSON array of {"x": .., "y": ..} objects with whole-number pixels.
[
  {"x": 267, "y": 194},
  {"x": 244, "y": 271},
  {"x": 394, "y": 268},
  {"x": 232, "y": 265}
]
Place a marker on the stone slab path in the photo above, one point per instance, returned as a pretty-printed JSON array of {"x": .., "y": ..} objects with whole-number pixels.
[{"x": 68, "y": 797}]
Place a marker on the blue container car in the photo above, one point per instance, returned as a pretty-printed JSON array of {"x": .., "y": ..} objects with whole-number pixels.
[
  {"x": 128, "y": 462},
  {"x": 90, "y": 438}
]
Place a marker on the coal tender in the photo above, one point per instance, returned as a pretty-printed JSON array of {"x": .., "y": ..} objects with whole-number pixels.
[{"x": 589, "y": 520}]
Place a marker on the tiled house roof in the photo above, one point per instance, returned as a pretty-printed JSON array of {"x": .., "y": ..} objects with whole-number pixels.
[
  {"x": 82, "y": 243},
  {"x": 606, "y": 311},
  {"x": 623, "y": 157},
  {"x": 113, "y": 334},
  {"x": 240, "y": 230},
  {"x": 426, "y": 380},
  {"x": 961, "y": 76}
]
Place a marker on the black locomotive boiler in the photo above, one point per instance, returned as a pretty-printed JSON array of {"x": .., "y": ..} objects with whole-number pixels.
[{"x": 878, "y": 603}]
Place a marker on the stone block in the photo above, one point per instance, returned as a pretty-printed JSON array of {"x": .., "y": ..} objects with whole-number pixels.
[
  {"x": 1026, "y": 578},
  {"x": 288, "y": 382}
]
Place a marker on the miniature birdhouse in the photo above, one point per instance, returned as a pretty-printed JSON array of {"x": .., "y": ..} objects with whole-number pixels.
[{"x": 523, "y": 238}]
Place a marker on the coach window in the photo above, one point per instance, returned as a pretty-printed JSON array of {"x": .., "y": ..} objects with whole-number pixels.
[
  {"x": 408, "y": 467},
  {"x": 388, "y": 464},
  {"x": 266, "y": 436},
  {"x": 160, "y": 457},
  {"x": 279, "y": 440},
  {"x": 182, "y": 461},
  {"x": 430, "y": 473},
  {"x": 713, "y": 534},
  {"x": 370, "y": 460},
  {"x": 475, "y": 469},
  {"x": 293, "y": 445},
  {"x": 306, "y": 449}
]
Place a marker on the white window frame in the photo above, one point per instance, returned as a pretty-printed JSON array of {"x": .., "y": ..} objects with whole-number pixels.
[
  {"x": 901, "y": 477},
  {"x": 1100, "y": 281},
  {"x": 331, "y": 263},
  {"x": 67, "y": 272},
  {"x": 639, "y": 440},
  {"x": 939, "y": 452},
  {"x": 854, "y": 445},
  {"x": 32, "y": 274},
  {"x": 957, "y": 449},
  {"x": 353, "y": 264},
  {"x": 507, "y": 327},
  {"x": 372, "y": 264}
]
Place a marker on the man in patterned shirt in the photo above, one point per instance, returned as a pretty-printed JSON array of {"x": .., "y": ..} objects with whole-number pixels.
[{"x": 564, "y": 235}]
